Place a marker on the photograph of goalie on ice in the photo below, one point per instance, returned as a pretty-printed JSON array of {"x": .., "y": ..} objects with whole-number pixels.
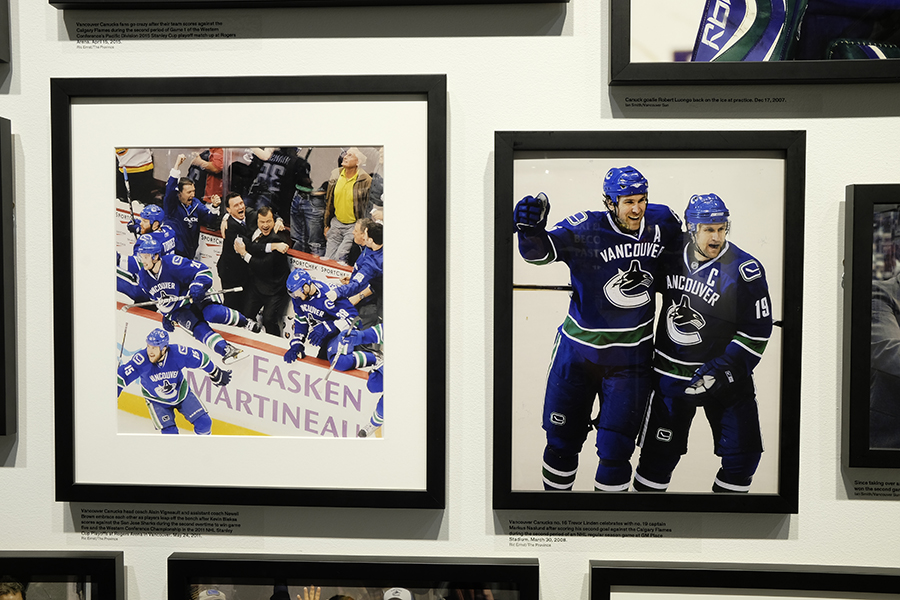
[
  {"x": 249, "y": 291},
  {"x": 645, "y": 291}
]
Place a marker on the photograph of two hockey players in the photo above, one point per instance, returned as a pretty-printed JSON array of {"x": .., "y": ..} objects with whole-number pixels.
[{"x": 653, "y": 279}]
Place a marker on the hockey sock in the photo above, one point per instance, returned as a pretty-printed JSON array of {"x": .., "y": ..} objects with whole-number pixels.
[
  {"x": 559, "y": 471},
  {"x": 377, "y": 418},
  {"x": 612, "y": 476},
  {"x": 203, "y": 425},
  {"x": 736, "y": 472},
  {"x": 654, "y": 472},
  {"x": 169, "y": 429},
  {"x": 205, "y": 333},
  {"x": 219, "y": 313}
]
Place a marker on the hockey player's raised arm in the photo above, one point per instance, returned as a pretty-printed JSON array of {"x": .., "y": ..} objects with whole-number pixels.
[{"x": 530, "y": 219}]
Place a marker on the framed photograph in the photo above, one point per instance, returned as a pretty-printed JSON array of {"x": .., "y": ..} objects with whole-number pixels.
[
  {"x": 615, "y": 326},
  {"x": 246, "y": 310},
  {"x": 250, "y": 577},
  {"x": 871, "y": 413},
  {"x": 672, "y": 581},
  {"x": 217, "y": 4},
  {"x": 8, "y": 376},
  {"x": 62, "y": 575},
  {"x": 653, "y": 42}
]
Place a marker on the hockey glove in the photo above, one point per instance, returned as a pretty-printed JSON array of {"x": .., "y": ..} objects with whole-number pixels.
[
  {"x": 321, "y": 332},
  {"x": 196, "y": 292},
  {"x": 331, "y": 295},
  {"x": 351, "y": 338},
  {"x": 220, "y": 377},
  {"x": 294, "y": 352},
  {"x": 134, "y": 227},
  {"x": 531, "y": 213},
  {"x": 167, "y": 324},
  {"x": 711, "y": 378}
]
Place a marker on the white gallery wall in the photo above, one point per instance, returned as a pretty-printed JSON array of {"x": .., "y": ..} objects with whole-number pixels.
[{"x": 526, "y": 67}]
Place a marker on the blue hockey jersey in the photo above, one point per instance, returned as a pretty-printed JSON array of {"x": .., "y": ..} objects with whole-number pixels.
[
  {"x": 319, "y": 309},
  {"x": 164, "y": 381},
  {"x": 717, "y": 308},
  {"x": 177, "y": 276},
  {"x": 614, "y": 279}
]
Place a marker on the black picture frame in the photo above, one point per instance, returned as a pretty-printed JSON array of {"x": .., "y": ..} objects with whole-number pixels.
[
  {"x": 790, "y": 146},
  {"x": 622, "y": 71},
  {"x": 863, "y": 203},
  {"x": 430, "y": 89},
  {"x": 8, "y": 374},
  {"x": 5, "y": 51},
  {"x": 218, "y": 4},
  {"x": 516, "y": 579},
  {"x": 103, "y": 571},
  {"x": 720, "y": 579}
]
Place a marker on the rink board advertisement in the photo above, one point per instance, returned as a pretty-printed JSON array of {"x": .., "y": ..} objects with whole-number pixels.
[
  {"x": 304, "y": 412},
  {"x": 760, "y": 184},
  {"x": 751, "y": 41}
]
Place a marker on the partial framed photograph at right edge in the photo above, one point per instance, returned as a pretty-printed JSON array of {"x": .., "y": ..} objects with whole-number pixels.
[
  {"x": 648, "y": 294},
  {"x": 871, "y": 384},
  {"x": 679, "y": 581}
]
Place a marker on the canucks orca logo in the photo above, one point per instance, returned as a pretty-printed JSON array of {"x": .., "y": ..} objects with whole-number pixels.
[
  {"x": 629, "y": 289},
  {"x": 166, "y": 389},
  {"x": 683, "y": 323}
]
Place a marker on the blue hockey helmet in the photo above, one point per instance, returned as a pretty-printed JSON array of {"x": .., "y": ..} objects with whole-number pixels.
[
  {"x": 704, "y": 209},
  {"x": 297, "y": 279},
  {"x": 624, "y": 181},
  {"x": 152, "y": 212},
  {"x": 148, "y": 244},
  {"x": 159, "y": 338}
]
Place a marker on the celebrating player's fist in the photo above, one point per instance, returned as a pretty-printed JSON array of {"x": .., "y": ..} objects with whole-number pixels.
[{"x": 531, "y": 213}]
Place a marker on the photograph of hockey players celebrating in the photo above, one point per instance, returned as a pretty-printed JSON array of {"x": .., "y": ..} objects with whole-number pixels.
[
  {"x": 168, "y": 282},
  {"x": 715, "y": 323},
  {"x": 592, "y": 298}
]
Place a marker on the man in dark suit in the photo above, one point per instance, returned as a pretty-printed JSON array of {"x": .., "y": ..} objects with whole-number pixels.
[
  {"x": 269, "y": 270},
  {"x": 233, "y": 271}
]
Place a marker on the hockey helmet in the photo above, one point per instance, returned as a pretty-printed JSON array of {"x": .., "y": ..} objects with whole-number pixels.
[
  {"x": 152, "y": 212},
  {"x": 624, "y": 181},
  {"x": 159, "y": 338},
  {"x": 297, "y": 279},
  {"x": 397, "y": 593},
  {"x": 704, "y": 209},
  {"x": 148, "y": 244}
]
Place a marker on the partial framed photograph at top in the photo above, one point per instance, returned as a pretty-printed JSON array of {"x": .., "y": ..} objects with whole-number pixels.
[
  {"x": 673, "y": 581},
  {"x": 646, "y": 296},
  {"x": 245, "y": 316},
  {"x": 871, "y": 326},
  {"x": 256, "y": 4},
  {"x": 260, "y": 577},
  {"x": 62, "y": 575},
  {"x": 747, "y": 41}
]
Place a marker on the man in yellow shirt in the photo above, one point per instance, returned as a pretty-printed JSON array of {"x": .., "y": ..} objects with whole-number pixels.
[{"x": 346, "y": 200}]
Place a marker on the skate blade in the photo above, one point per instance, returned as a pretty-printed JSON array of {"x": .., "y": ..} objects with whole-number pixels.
[{"x": 241, "y": 355}]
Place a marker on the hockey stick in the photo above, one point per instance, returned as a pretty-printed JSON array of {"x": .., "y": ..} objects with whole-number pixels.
[
  {"x": 562, "y": 288},
  {"x": 122, "y": 349},
  {"x": 341, "y": 349},
  {"x": 179, "y": 298},
  {"x": 128, "y": 193}
]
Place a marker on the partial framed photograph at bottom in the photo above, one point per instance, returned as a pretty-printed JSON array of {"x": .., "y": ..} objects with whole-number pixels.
[
  {"x": 62, "y": 575},
  {"x": 671, "y": 581},
  {"x": 590, "y": 362},
  {"x": 260, "y": 577},
  {"x": 871, "y": 326}
]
